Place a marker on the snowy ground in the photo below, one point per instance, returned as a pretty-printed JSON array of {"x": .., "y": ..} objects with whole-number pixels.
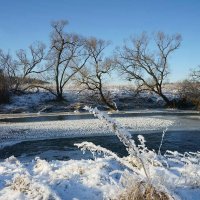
[{"x": 101, "y": 178}]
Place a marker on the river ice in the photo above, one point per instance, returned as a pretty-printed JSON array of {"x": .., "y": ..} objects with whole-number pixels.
[{"x": 74, "y": 128}]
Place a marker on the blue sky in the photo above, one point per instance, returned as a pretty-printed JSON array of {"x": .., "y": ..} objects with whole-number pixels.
[{"x": 25, "y": 21}]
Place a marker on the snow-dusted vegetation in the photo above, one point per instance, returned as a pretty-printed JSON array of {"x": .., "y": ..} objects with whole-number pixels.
[
  {"x": 124, "y": 97},
  {"x": 143, "y": 174}
]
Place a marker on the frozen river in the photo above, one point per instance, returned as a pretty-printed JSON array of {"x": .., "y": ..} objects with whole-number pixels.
[
  {"x": 53, "y": 136},
  {"x": 64, "y": 149}
]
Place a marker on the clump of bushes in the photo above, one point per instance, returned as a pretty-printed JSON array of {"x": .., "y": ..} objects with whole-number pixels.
[
  {"x": 189, "y": 94},
  {"x": 4, "y": 89}
]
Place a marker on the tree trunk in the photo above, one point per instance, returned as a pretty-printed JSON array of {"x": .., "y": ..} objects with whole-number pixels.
[
  {"x": 169, "y": 103},
  {"x": 106, "y": 101},
  {"x": 59, "y": 96}
]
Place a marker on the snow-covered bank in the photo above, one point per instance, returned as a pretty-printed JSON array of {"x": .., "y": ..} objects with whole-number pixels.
[
  {"x": 102, "y": 178},
  {"x": 74, "y": 128},
  {"x": 57, "y": 179},
  {"x": 42, "y": 100}
]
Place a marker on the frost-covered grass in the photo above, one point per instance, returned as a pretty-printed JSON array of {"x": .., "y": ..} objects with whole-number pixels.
[
  {"x": 161, "y": 176},
  {"x": 84, "y": 179},
  {"x": 144, "y": 174},
  {"x": 102, "y": 178}
]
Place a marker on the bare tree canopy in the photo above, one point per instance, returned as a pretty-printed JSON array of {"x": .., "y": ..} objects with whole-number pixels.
[
  {"x": 66, "y": 57},
  {"x": 92, "y": 77},
  {"x": 26, "y": 63},
  {"x": 195, "y": 75},
  {"x": 8, "y": 64},
  {"x": 145, "y": 60},
  {"x": 30, "y": 62}
]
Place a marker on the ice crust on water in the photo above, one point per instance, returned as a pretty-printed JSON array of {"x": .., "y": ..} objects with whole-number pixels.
[{"x": 75, "y": 128}]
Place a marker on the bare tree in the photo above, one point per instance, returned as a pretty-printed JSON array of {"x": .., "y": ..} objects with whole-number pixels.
[
  {"x": 20, "y": 70},
  {"x": 92, "y": 77},
  {"x": 195, "y": 75},
  {"x": 146, "y": 65},
  {"x": 66, "y": 57}
]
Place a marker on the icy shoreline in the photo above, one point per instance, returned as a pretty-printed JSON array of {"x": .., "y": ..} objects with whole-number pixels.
[
  {"x": 14, "y": 132},
  {"x": 140, "y": 112}
]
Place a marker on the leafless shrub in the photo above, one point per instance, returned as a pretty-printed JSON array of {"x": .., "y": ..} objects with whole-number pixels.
[
  {"x": 190, "y": 89},
  {"x": 4, "y": 88},
  {"x": 142, "y": 191}
]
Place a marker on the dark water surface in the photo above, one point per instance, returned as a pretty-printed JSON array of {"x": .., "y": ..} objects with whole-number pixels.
[
  {"x": 64, "y": 149},
  {"x": 61, "y": 117}
]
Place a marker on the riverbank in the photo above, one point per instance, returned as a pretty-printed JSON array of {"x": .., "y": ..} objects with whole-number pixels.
[{"x": 124, "y": 98}]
